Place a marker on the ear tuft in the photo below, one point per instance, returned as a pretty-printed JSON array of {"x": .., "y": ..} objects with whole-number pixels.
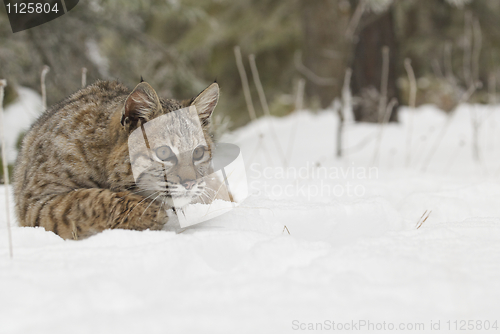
[
  {"x": 142, "y": 103},
  {"x": 206, "y": 101}
]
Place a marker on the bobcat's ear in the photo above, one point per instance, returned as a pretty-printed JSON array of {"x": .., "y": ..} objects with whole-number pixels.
[
  {"x": 206, "y": 101},
  {"x": 142, "y": 103}
]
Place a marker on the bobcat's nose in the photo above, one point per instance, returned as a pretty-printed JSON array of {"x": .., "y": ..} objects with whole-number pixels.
[{"x": 188, "y": 184}]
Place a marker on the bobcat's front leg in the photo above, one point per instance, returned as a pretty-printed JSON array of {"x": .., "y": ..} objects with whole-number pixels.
[{"x": 83, "y": 212}]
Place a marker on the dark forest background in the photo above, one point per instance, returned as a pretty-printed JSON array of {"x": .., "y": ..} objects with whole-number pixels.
[{"x": 180, "y": 46}]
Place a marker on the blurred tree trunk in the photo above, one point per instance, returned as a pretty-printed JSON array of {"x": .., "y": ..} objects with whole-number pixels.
[
  {"x": 325, "y": 50},
  {"x": 375, "y": 33}
]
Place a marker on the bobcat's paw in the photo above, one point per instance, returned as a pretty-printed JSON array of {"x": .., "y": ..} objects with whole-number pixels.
[
  {"x": 141, "y": 214},
  {"x": 155, "y": 216}
]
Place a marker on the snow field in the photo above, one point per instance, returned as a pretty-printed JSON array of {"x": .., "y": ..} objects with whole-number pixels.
[{"x": 349, "y": 257}]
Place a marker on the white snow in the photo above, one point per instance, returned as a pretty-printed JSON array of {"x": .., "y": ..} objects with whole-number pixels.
[
  {"x": 18, "y": 117},
  {"x": 197, "y": 213},
  {"x": 353, "y": 253}
]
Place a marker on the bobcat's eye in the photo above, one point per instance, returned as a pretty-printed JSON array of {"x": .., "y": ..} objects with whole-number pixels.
[
  {"x": 164, "y": 153},
  {"x": 198, "y": 153}
]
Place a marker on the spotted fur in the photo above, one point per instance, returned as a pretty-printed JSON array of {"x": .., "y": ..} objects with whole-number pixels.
[{"x": 73, "y": 174}]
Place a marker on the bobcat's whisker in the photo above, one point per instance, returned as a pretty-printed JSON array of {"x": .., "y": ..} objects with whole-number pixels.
[
  {"x": 203, "y": 200},
  {"x": 201, "y": 197},
  {"x": 135, "y": 192},
  {"x": 206, "y": 189},
  {"x": 161, "y": 207},
  {"x": 139, "y": 191},
  {"x": 218, "y": 190},
  {"x": 130, "y": 185},
  {"x": 150, "y": 205},
  {"x": 140, "y": 203},
  {"x": 206, "y": 193}
]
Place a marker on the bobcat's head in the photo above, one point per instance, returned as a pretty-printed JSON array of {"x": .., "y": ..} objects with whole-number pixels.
[{"x": 170, "y": 145}]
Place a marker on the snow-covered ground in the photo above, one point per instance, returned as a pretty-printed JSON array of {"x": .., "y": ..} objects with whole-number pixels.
[
  {"x": 19, "y": 116},
  {"x": 353, "y": 256}
]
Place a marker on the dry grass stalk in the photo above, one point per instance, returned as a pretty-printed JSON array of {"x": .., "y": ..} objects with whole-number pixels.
[
  {"x": 387, "y": 115},
  {"x": 3, "y": 83},
  {"x": 299, "y": 104},
  {"x": 299, "y": 99},
  {"x": 383, "y": 85},
  {"x": 285, "y": 228},
  {"x": 476, "y": 52},
  {"x": 346, "y": 102},
  {"x": 248, "y": 99},
  {"x": 309, "y": 74},
  {"x": 354, "y": 22},
  {"x": 422, "y": 219},
  {"x": 244, "y": 83},
  {"x": 412, "y": 102},
  {"x": 467, "y": 48},
  {"x": 45, "y": 70},
  {"x": 84, "y": 77},
  {"x": 265, "y": 106}
]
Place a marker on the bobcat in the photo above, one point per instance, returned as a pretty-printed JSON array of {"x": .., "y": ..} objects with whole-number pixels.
[{"x": 73, "y": 175}]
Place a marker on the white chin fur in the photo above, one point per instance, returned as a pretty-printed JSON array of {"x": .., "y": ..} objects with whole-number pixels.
[{"x": 179, "y": 202}]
